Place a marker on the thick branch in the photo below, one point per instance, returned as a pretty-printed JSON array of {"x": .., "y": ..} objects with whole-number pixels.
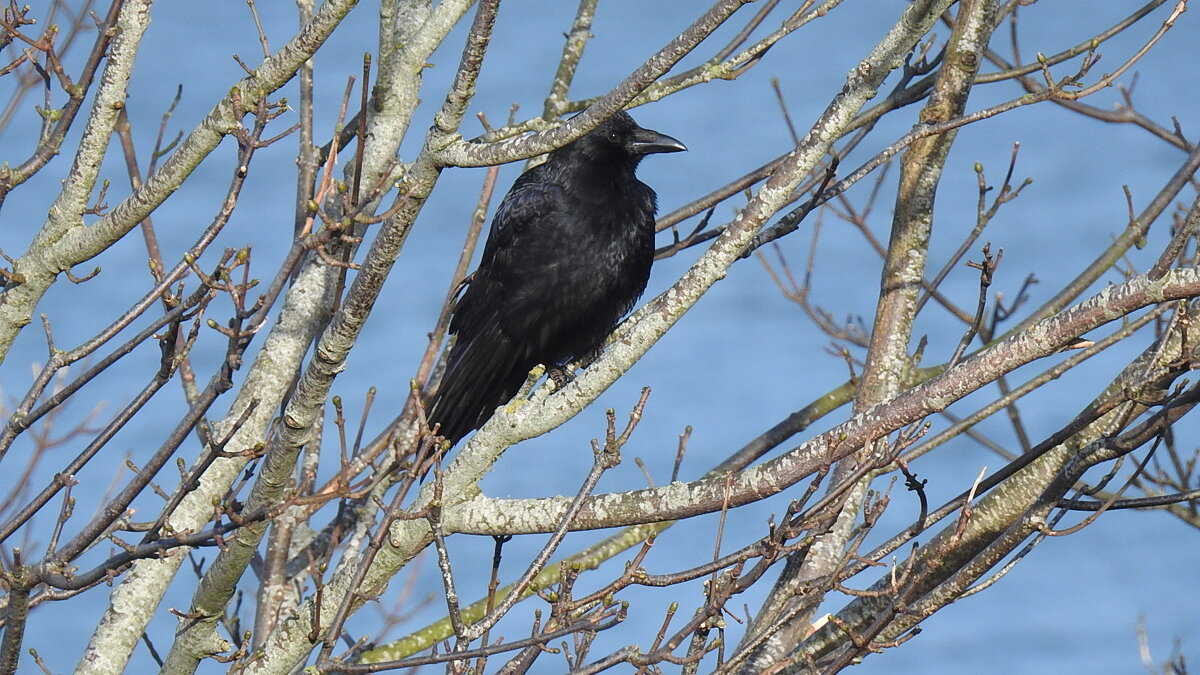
[{"x": 707, "y": 496}]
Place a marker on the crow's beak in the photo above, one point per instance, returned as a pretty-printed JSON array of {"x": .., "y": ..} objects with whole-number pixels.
[{"x": 647, "y": 141}]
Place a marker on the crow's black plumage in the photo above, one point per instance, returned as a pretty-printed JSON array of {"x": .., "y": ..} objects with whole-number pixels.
[{"x": 568, "y": 254}]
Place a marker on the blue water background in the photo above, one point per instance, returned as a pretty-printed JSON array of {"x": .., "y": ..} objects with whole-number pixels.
[{"x": 736, "y": 364}]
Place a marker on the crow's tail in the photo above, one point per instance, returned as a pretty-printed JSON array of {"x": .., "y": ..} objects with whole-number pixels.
[{"x": 480, "y": 375}]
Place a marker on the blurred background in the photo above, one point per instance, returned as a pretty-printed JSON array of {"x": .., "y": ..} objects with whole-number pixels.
[{"x": 741, "y": 360}]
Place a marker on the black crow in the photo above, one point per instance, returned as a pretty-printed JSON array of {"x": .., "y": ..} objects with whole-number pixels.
[{"x": 568, "y": 254}]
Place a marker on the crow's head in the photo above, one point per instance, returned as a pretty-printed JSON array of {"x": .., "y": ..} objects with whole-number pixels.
[{"x": 620, "y": 139}]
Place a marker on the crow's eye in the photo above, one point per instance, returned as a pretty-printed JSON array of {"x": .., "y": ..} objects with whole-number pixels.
[{"x": 614, "y": 136}]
